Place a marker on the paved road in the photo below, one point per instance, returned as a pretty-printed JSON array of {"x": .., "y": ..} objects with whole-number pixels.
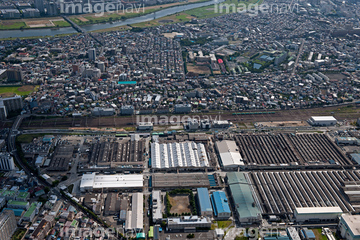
[
  {"x": 12, "y": 149},
  {"x": 298, "y": 56}
]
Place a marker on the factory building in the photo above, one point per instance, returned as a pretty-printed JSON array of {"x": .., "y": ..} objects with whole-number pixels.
[
  {"x": 220, "y": 205},
  {"x": 90, "y": 182},
  {"x": 156, "y": 206},
  {"x": 316, "y": 214},
  {"x": 221, "y": 124},
  {"x": 145, "y": 126},
  {"x": 307, "y": 234},
  {"x": 182, "y": 108},
  {"x": 293, "y": 233},
  {"x": 192, "y": 124},
  {"x": 98, "y": 111},
  {"x": 134, "y": 218},
  {"x": 188, "y": 223},
  {"x": 229, "y": 154},
  {"x": 246, "y": 211},
  {"x": 351, "y": 189},
  {"x": 127, "y": 110},
  {"x": 204, "y": 202},
  {"x": 349, "y": 227},
  {"x": 347, "y": 140},
  {"x": 178, "y": 155},
  {"x": 322, "y": 121}
]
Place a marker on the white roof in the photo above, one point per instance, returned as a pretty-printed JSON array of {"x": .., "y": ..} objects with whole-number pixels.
[
  {"x": 316, "y": 210},
  {"x": 137, "y": 220},
  {"x": 229, "y": 153},
  {"x": 353, "y": 222},
  {"x": 94, "y": 181},
  {"x": 157, "y": 206},
  {"x": 323, "y": 118},
  {"x": 183, "y": 154}
]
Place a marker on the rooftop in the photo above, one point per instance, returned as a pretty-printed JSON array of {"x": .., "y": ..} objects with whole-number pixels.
[
  {"x": 314, "y": 210},
  {"x": 30, "y": 210},
  {"x": 204, "y": 200},
  {"x": 220, "y": 202},
  {"x": 242, "y": 195},
  {"x": 353, "y": 222}
]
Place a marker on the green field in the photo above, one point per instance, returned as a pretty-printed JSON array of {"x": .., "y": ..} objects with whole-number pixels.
[
  {"x": 61, "y": 24},
  {"x": 19, "y": 90},
  {"x": 20, "y": 24},
  {"x": 14, "y": 25},
  {"x": 223, "y": 224}
]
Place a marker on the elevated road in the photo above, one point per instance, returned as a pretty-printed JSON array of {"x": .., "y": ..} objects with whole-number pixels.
[{"x": 11, "y": 141}]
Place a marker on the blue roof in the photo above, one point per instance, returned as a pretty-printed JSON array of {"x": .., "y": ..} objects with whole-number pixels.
[
  {"x": 204, "y": 200},
  {"x": 220, "y": 202},
  {"x": 17, "y": 212},
  {"x": 309, "y": 234},
  {"x": 257, "y": 66},
  {"x": 212, "y": 180},
  {"x": 126, "y": 82},
  {"x": 283, "y": 238}
]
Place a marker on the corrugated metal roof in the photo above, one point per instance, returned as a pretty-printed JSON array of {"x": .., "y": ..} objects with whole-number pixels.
[
  {"x": 220, "y": 202},
  {"x": 242, "y": 195},
  {"x": 204, "y": 200}
]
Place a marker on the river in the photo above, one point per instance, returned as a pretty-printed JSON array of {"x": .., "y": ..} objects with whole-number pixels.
[{"x": 68, "y": 30}]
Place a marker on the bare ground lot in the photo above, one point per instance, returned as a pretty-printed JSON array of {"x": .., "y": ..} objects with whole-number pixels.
[
  {"x": 180, "y": 204},
  {"x": 199, "y": 69},
  {"x": 284, "y": 124}
]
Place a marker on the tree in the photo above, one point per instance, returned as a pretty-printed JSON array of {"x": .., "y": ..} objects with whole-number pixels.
[{"x": 47, "y": 189}]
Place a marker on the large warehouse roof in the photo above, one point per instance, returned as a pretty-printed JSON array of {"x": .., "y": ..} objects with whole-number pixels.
[
  {"x": 229, "y": 153},
  {"x": 184, "y": 154},
  {"x": 204, "y": 200},
  {"x": 242, "y": 196},
  {"x": 220, "y": 203},
  {"x": 318, "y": 210},
  {"x": 323, "y": 118},
  {"x": 353, "y": 223},
  {"x": 93, "y": 181}
]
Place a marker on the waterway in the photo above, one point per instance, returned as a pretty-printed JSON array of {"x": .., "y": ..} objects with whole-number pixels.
[{"x": 140, "y": 19}]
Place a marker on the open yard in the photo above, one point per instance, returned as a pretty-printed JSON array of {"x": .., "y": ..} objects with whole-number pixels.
[
  {"x": 11, "y": 24},
  {"x": 199, "y": 69},
  {"x": 33, "y": 23},
  {"x": 19, "y": 90},
  {"x": 180, "y": 204},
  {"x": 179, "y": 17},
  {"x": 124, "y": 13},
  {"x": 318, "y": 234}
]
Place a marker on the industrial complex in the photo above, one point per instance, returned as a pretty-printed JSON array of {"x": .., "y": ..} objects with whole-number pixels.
[{"x": 177, "y": 183}]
